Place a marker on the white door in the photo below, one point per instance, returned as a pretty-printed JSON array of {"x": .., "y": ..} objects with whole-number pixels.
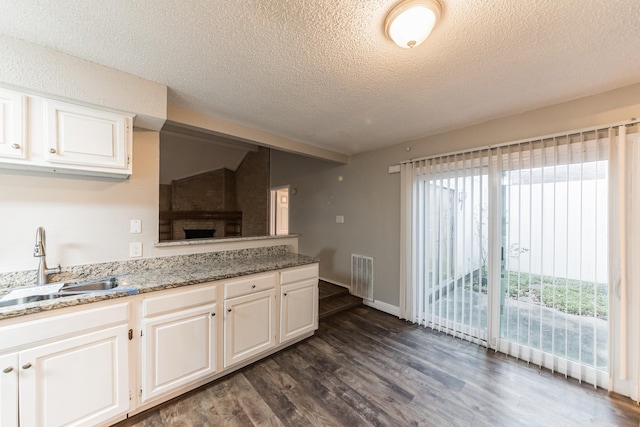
[
  {"x": 178, "y": 349},
  {"x": 12, "y": 118},
  {"x": 9, "y": 390},
  {"x": 249, "y": 326},
  {"x": 279, "y": 212},
  {"x": 282, "y": 212},
  {"x": 298, "y": 309},
  {"x": 77, "y": 381}
]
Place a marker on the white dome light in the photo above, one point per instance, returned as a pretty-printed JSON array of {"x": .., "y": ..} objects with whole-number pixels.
[{"x": 410, "y": 22}]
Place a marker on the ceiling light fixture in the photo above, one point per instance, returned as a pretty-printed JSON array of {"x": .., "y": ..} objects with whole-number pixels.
[{"x": 410, "y": 22}]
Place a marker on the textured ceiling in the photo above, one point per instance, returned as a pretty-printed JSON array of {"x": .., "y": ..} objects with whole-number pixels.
[{"x": 322, "y": 71}]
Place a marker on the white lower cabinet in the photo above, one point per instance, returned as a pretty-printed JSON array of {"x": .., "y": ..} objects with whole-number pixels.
[
  {"x": 298, "y": 309},
  {"x": 178, "y": 349},
  {"x": 80, "y": 380},
  {"x": 298, "y": 302},
  {"x": 9, "y": 390},
  {"x": 249, "y": 326},
  {"x": 77, "y": 381},
  {"x": 73, "y": 368}
]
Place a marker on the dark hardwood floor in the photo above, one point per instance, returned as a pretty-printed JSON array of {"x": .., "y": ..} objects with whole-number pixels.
[{"x": 364, "y": 367}]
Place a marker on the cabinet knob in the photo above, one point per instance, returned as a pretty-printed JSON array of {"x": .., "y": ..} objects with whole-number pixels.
[
  {"x": 228, "y": 310},
  {"x": 213, "y": 314},
  {"x": 52, "y": 150},
  {"x": 253, "y": 286},
  {"x": 26, "y": 366},
  {"x": 15, "y": 146},
  {"x": 7, "y": 369},
  {"x": 285, "y": 294}
]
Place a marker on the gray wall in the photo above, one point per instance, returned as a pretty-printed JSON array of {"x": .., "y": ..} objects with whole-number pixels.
[
  {"x": 365, "y": 194},
  {"x": 369, "y": 197}
]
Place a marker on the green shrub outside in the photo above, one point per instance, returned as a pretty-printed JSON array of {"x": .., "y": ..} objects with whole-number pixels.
[{"x": 565, "y": 295}]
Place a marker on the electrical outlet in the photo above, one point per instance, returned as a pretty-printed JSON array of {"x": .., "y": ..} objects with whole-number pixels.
[
  {"x": 136, "y": 226},
  {"x": 135, "y": 249},
  {"x": 340, "y": 219}
]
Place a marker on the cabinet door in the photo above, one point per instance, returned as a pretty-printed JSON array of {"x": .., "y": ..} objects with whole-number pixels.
[
  {"x": 9, "y": 390},
  {"x": 87, "y": 137},
  {"x": 178, "y": 349},
  {"x": 12, "y": 124},
  {"x": 80, "y": 381},
  {"x": 249, "y": 326},
  {"x": 298, "y": 309}
]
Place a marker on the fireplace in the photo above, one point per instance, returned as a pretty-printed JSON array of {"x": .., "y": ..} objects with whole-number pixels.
[{"x": 199, "y": 233}]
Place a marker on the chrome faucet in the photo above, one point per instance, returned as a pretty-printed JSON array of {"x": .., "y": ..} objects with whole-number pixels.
[{"x": 39, "y": 252}]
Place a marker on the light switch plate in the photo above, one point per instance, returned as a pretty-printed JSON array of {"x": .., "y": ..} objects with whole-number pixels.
[
  {"x": 340, "y": 219},
  {"x": 135, "y": 249},
  {"x": 136, "y": 226}
]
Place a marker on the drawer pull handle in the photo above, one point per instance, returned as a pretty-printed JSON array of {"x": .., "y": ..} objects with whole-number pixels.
[
  {"x": 26, "y": 366},
  {"x": 7, "y": 369},
  {"x": 253, "y": 286},
  {"x": 15, "y": 146},
  {"x": 52, "y": 150}
]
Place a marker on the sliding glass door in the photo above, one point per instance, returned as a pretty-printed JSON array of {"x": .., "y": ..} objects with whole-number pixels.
[
  {"x": 554, "y": 292},
  {"x": 510, "y": 249},
  {"x": 455, "y": 197}
]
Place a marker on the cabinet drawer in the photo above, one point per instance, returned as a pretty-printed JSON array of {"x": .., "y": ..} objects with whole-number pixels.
[
  {"x": 249, "y": 285},
  {"x": 298, "y": 274},
  {"x": 155, "y": 306},
  {"x": 21, "y": 334}
]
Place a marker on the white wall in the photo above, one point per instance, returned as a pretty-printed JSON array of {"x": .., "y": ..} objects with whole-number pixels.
[
  {"x": 87, "y": 219},
  {"x": 48, "y": 72},
  {"x": 573, "y": 248}
]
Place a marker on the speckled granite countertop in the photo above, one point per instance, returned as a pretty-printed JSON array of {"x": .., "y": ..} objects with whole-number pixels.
[{"x": 156, "y": 274}]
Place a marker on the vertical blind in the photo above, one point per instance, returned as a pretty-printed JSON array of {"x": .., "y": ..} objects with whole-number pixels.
[{"x": 510, "y": 247}]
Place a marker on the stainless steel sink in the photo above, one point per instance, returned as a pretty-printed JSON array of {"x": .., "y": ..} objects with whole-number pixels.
[
  {"x": 94, "y": 285},
  {"x": 24, "y": 300}
]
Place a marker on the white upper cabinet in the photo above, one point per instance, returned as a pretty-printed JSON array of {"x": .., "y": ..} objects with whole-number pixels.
[
  {"x": 86, "y": 137},
  {"x": 38, "y": 133},
  {"x": 12, "y": 124}
]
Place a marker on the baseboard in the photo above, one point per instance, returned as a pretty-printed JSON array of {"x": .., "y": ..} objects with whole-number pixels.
[
  {"x": 333, "y": 282},
  {"x": 394, "y": 310}
]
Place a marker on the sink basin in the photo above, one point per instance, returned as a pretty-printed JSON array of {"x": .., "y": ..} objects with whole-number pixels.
[
  {"x": 24, "y": 300},
  {"x": 94, "y": 285}
]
